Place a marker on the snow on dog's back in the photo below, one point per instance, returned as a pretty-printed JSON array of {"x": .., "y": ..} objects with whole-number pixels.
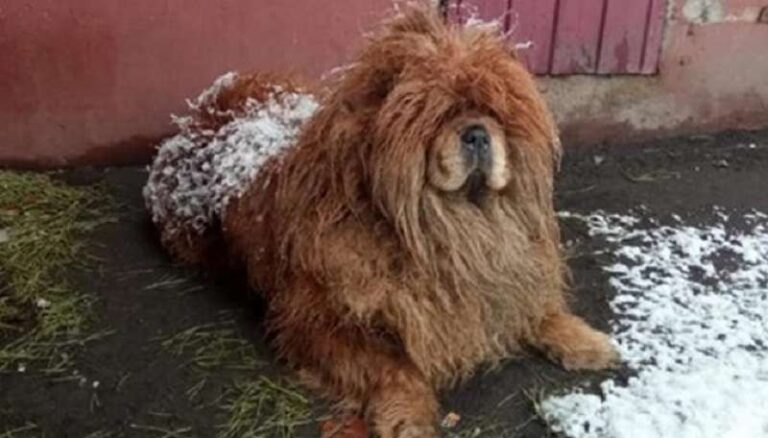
[{"x": 234, "y": 128}]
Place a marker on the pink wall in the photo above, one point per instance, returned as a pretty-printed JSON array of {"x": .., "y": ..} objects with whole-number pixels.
[
  {"x": 578, "y": 37},
  {"x": 713, "y": 75},
  {"x": 95, "y": 80}
]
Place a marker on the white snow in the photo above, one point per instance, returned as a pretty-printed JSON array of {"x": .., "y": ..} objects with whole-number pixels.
[
  {"x": 474, "y": 20},
  {"x": 524, "y": 45},
  {"x": 495, "y": 24},
  {"x": 197, "y": 172},
  {"x": 691, "y": 307},
  {"x": 209, "y": 95},
  {"x": 42, "y": 303}
]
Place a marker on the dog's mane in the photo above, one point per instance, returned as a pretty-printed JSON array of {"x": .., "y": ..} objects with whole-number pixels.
[{"x": 358, "y": 155}]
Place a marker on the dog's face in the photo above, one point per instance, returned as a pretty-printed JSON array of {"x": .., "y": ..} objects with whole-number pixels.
[{"x": 469, "y": 154}]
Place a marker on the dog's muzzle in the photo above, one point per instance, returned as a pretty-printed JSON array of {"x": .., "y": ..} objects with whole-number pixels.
[{"x": 476, "y": 148}]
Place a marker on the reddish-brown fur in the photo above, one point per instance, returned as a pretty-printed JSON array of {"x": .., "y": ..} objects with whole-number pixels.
[{"x": 382, "y": 288}]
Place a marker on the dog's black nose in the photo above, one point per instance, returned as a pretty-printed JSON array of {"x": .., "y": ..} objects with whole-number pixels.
[{"x": 475, "y": 139}]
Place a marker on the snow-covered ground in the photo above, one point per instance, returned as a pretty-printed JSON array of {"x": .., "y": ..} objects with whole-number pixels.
[{"x": 691, "y": 306}]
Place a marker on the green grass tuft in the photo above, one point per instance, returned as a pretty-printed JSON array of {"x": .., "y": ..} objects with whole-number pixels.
[
  {"x": 41, "y": 225},
  {"x": 265, "y": 408},
  {"x": 26, "y": 431},
  {"x": 214, "y": 346},
  {"x": 252, "y": 407}
]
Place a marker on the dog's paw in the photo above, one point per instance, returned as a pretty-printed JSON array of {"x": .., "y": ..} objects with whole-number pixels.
[
  {"x": 415, "y": 431},
  {"x": 593, "y": 351},
  {"x": 344, "y": 427},
  {"x": 577, "y": 346},
  {"x": 406, "y": 428}
]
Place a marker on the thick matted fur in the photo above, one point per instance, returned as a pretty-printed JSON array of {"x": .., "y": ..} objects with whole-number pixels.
[{"x": 393, "y": 256}]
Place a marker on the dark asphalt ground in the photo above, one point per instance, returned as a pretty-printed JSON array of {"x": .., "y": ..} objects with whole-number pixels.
[{"x": 144, "y": 297}]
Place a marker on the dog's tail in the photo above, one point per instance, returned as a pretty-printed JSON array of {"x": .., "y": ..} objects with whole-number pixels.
[{"x": 233, "y": 128}]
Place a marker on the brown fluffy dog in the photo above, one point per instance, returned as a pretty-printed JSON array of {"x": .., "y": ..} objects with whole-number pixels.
[{"x": 409, "y": 235}]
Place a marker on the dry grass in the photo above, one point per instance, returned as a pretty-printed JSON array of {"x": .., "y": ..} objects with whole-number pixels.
[
  {"x": 14, "y": 426},
  {"x": 41, "y": 317},
  {"x": 102, "y": 434},
  {"x": 162, "y": 432},
  {"x": 27, "y": 430},
  {"x": 536, "y": 396},
  {"x": 214, "y": 346},
  {"x": 251, "y": 407},
  {"x": 265, "y": 408}
]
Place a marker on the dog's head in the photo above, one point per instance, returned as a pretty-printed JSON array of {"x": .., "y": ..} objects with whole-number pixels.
[
  {"x": 436, "y": 124},
  {"x": 448, "y": 109}
]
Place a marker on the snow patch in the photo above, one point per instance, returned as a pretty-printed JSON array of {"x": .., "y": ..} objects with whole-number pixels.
[
  {"x": 703, "y": 11},
  {"x": 691, "y": 309},
  {"x": 474, "y": 20},
  {"x": 209, "y": 95},
  {"x": 197, "y": 172}
]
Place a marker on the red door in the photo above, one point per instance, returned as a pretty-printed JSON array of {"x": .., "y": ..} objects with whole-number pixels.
[{"x": 578, "y": 36}]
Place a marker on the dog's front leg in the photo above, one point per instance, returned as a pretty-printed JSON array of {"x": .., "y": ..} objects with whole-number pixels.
[
  {"x": 403, "y": 405},
  {"x": 353, "y": 362},
  {"x": 355, "y": 370}
]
